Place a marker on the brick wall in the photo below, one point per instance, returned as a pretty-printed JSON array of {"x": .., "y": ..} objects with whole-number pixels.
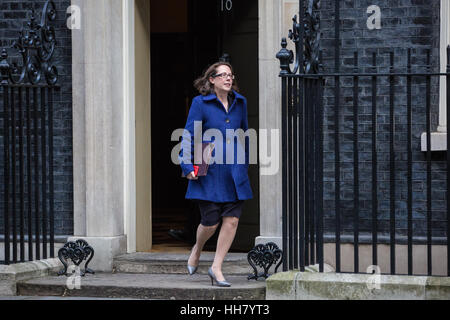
[
  {"x": 13, "y": 17},
  {"x": 405, "y": 24}
]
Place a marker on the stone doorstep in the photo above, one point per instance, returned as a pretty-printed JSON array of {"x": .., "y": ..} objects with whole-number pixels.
[
  {"x": 294, "y": 285},
  {"x": 175, "y": 263},
  {"x": 143, "y": 286},
  {"x": 175, "y": 268},
  {"x": 155, "y": 276},
  {"x": 181, "y": 257},
  {"x": 11, "y": 274}
]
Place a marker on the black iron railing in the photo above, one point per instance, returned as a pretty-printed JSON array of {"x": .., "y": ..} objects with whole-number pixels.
[
  {"x": 26, "y": 100},
  {"x": 303, "y": 155}
]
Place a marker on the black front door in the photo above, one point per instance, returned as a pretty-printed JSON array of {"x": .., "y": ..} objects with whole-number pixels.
[{"x": 183, "y": 44}]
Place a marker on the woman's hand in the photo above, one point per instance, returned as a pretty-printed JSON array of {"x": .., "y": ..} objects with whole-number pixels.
[{"x": 191, "y": 176}]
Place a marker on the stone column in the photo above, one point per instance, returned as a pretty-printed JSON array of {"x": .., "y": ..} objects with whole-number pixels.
[
  {"x": 98, "y": 130},
  {"x": 275, "y": 20},
  {"x": 269, "y": 116}
]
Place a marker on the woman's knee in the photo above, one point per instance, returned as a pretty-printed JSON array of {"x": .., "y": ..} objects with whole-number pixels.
[
  {"x": 232, "y": 222},
  {"x": 211, "y": 228}
]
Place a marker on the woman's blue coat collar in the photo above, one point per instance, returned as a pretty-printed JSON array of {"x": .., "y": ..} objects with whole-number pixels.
[{"x": 213, "y": 96}]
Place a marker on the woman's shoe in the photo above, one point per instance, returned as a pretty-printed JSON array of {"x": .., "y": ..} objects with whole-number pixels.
[
  {"x": 219, "y": 283},
  {"x": 192, "y": 269}
]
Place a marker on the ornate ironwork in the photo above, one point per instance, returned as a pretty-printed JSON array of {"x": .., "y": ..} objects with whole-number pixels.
[
  {"x": 36, "y": 46},
  {"x": 264, "y": 256},
  {"x": 77, "y": 251},
  {"x": 4, "y": 67},
  {"x": 296, "y": 37},
  {"x": 306, "y": 41},
  {"x": 312, "y": 37}
]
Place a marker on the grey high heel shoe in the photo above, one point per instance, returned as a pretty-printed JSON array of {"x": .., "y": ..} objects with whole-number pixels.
[
  {"x": 219, "y": 283},
  {"x": 192, "y": 269}
]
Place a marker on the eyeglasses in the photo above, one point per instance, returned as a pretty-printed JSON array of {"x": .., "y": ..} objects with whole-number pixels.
[{"x": 224, "y": 76}]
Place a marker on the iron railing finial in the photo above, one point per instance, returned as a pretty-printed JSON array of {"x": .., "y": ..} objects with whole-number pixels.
[{"x": 286, "y": 57}]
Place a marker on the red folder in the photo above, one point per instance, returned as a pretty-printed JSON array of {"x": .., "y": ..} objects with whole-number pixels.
[
  {"x": 203, "y": 160},
  {"x": 196, "y": 170}
]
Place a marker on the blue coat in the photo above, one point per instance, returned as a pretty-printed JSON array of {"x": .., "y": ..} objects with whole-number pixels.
[{"x": 223, "y": 182}]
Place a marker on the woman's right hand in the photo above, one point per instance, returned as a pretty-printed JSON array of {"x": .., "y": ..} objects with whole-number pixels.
[{"x": 191, "y": 176}]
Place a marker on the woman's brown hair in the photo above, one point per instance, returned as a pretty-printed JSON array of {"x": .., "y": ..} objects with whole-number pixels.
[{"x": 205, "y": 87}]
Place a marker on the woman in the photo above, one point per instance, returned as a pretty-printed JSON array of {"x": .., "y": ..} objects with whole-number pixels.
[{"x": 221, "y": 193}]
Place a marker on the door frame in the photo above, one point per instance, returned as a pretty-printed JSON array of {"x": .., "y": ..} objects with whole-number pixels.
[
  {"x": 137, "y": 104},
  {"x": 129, "y": 104}
]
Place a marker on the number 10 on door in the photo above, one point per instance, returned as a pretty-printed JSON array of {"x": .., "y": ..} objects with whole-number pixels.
[{"x": 226, "y": 5}]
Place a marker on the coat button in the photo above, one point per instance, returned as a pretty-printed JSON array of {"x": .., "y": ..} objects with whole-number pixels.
[
  {"x": 228, "y": 141},
  {"x": 228, "y": 121}
]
